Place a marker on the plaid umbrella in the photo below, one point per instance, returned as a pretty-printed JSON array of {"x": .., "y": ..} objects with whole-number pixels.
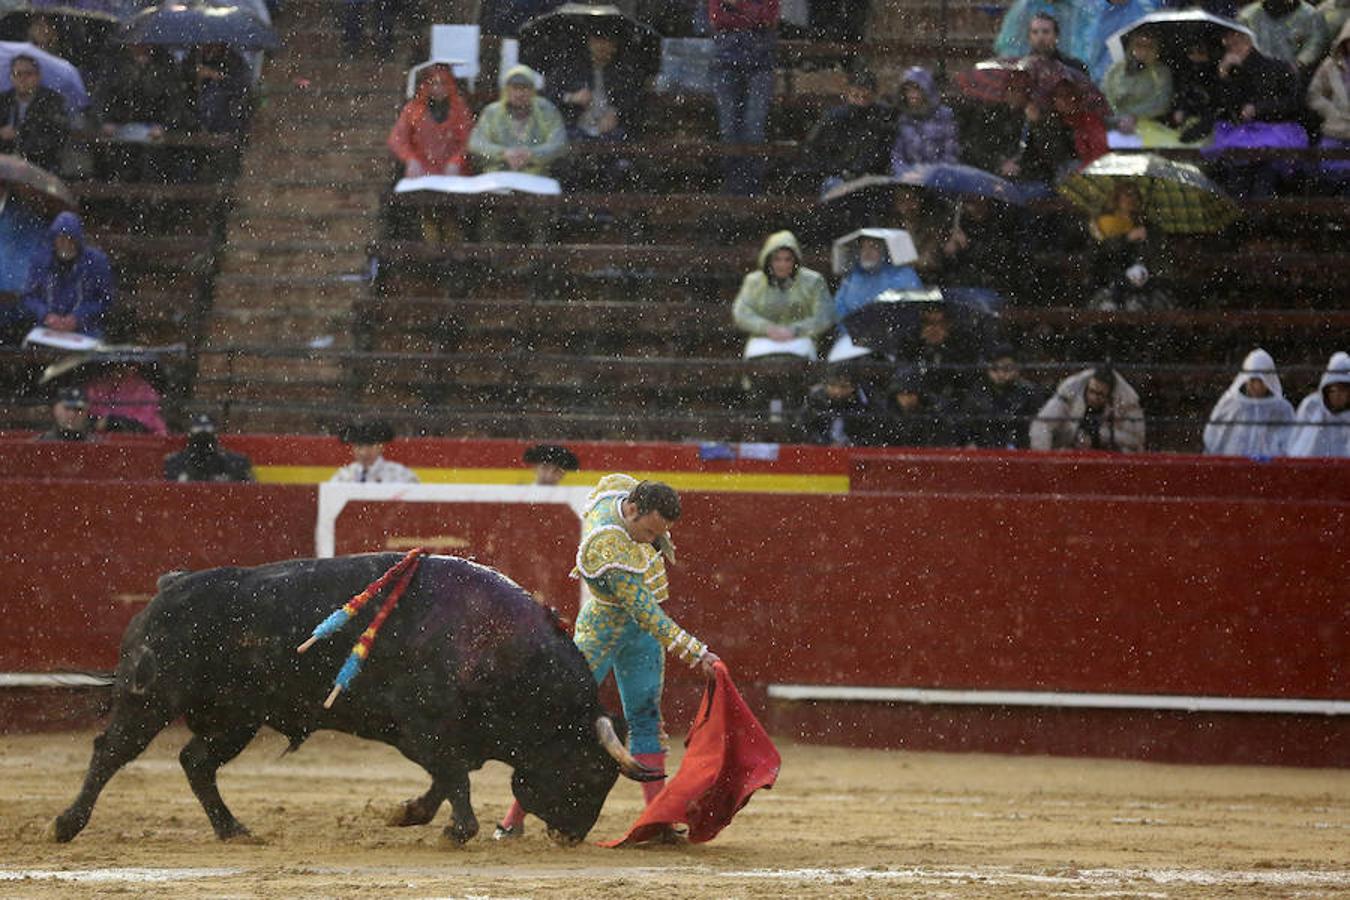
[
  {"x": 1176, "y": 196},
  {"x": 41, "y": 191}
]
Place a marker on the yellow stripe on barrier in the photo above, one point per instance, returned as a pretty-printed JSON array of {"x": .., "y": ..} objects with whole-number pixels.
[{"x": 730, "y": 482}]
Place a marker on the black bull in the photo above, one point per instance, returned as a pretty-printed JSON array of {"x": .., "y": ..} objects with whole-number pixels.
[{"x": 467, "y": 668}]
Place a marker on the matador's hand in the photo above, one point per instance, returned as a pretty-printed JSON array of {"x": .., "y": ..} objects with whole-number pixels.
[{"x": 707, "y": 661}]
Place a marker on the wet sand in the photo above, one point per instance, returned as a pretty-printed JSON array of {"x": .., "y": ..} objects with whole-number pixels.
[{"x": 852, "y": 823}]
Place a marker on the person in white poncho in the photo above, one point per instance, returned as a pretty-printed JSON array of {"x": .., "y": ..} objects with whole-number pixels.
[
  {"x": 1322, "y": 426},
  {"x": 1252, "y": 418}
]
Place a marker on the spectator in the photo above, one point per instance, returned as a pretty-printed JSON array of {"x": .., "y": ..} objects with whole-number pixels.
[
  {"x": 783, "y": 306},
  {"x": 1087, "y": 127},
  {"x": 1128, "y": 257},
  {"x": 924, "y": 217},
  {"x": 34, "y": 123},
  {"x": 203, "y": 459},
  {"x": 991, "y": 133},
  {"x": 836, "y": 411},
  {"x": 873, "y": 260},
  {"x": 1095, "y": 409},
  {"x": 854, "y": 139},
  {"x": 1252, "y": 417},
  {"x": 1043, "y": 42},
  {"x": 368, "y": 441},
  {"x": 601, "y": 94},
  {"x": 998, "y": 410},
  {"x": 139, "y": 99},
  {"x": 910, "y": 414},
  {"x": 1140, "y": 85},
  {"x": 1322, "y": 425},
  {"x": 1195, "y": 90},
  {"x": 1257, "y": 99},
  {"x": 745, "y": 49},
  {"x": 1045, "y": 145},
  {"x": 520, "y": 132},
  {"x": 551, "y": 463},
  {"x": 1290, "y": 31},
  {"x": 1329, "y": 97},
  {"x": 1335, "y": 13},
  {"x": 121, "y": 399},
  {"x": 71, "y": 285},
  {"x": 927, "y": 127},
  {"x": 978, "y": 251},
  {"x": 1110, "y": 18},
  {"x": 1033, "y": 27},
  {"x": 70, "y": 418},
  {"x": 220, "y": 86},
  {"x": 943, "y": 351},
  {"x": 431, "y": 137}
]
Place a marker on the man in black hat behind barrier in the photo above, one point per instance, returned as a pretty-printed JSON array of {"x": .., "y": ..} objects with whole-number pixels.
[
  {"x": 367, "y": 440},
  {"x": 70, "y": 418},
  {"x": 551, "y": 463},
  {"x": 203, "y": 459}
]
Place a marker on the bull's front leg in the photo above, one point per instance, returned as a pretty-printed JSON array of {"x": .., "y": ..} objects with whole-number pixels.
[{"x": 463, "y": 823}]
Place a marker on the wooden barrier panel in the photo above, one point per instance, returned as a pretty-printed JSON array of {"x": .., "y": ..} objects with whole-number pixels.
[{"x": 1192, "y": 596}]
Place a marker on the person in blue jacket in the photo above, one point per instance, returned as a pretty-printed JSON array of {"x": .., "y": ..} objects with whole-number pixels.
[
  {"x": 874, "y": 260},
  {"x": 71, "y": 286}
]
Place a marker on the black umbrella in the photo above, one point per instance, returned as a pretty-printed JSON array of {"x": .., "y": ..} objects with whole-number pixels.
[
  {"x": 189, "y": 24},
  {"x": 893, "y": 317},
  {"x": 78, "y": 368},
  {"x": 38, "y": 189},
  {"x": 556, "y": 37}
]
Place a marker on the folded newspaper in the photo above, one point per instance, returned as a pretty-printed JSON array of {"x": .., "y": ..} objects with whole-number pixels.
[{"x": 488, "y": 182}]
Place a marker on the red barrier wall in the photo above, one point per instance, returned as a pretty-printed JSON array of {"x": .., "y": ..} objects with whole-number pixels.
[{"x": 1173, "y": 595}]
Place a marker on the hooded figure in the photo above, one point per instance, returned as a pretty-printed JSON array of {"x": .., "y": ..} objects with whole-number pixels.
[
  {"x": 1288, "y": 30},
  {"x": 1095, "y": 409},
  {"x": 872, "y": 260},
  {"x": 71, "y": 285},
  {"x": 431, "y": 136},
  {"x": 1111, "y": 17},
  {"x": 783, "y": 301},
  {"x": 1322, "y": 426},
  {"x": 1329, "y": 90},
  {"x": 519, "y": 120},
  {"x": 927, "y": 128},
  {"x": 1252, "y": 418}
]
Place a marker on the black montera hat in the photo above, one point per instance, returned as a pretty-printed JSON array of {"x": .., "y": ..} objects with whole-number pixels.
[
  {"x": 368, "y": 433},
  {"x": 552, "y": 454},
  {"x": 72, "y": 396}
]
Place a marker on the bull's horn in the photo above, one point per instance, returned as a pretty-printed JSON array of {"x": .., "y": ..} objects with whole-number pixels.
[{"x": 630, "y": 767}]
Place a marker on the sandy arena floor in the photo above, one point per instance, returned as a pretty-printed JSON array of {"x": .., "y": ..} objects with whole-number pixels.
[{"x": 839, "y": 823}]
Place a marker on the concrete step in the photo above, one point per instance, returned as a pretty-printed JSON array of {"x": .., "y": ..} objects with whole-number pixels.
[
  {"x": 349, "y": 162},
  {"x": 289, "y": 326},
  {"x": 358, "y": 101},
  {"x": 331, "y": 292},
  {"x": 292, "y": 258},
  {"x": 341, "y": 226},
  {"x": 310, "y": 195}
]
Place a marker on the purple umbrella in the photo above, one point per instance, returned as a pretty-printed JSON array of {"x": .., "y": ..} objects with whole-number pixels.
[{"x": 56, "y": 73}]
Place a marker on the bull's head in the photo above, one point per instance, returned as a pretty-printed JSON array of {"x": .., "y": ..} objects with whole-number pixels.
[{"x": 568, "y": 787}]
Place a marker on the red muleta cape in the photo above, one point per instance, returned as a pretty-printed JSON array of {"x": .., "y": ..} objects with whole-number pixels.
[{"x": 728, "y": 757}]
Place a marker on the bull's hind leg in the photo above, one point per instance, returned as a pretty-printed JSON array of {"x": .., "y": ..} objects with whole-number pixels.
[
  {"x": 132, "y": 728},
  {"x": 419, "y": 810},
  {"x": 201, "y": 759}
]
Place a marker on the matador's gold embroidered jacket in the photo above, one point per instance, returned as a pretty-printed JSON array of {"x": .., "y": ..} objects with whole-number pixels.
[{"x": 624, "y": 579}]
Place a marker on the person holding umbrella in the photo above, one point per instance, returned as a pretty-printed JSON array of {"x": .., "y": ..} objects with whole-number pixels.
[
  {"x": 853, "y": 139},
  {"x": 139, "y": 99},
  {"x": 34, "y": 123}
]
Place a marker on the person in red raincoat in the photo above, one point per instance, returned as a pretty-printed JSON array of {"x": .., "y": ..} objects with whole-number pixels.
[{"x": 431, "y": 137}]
